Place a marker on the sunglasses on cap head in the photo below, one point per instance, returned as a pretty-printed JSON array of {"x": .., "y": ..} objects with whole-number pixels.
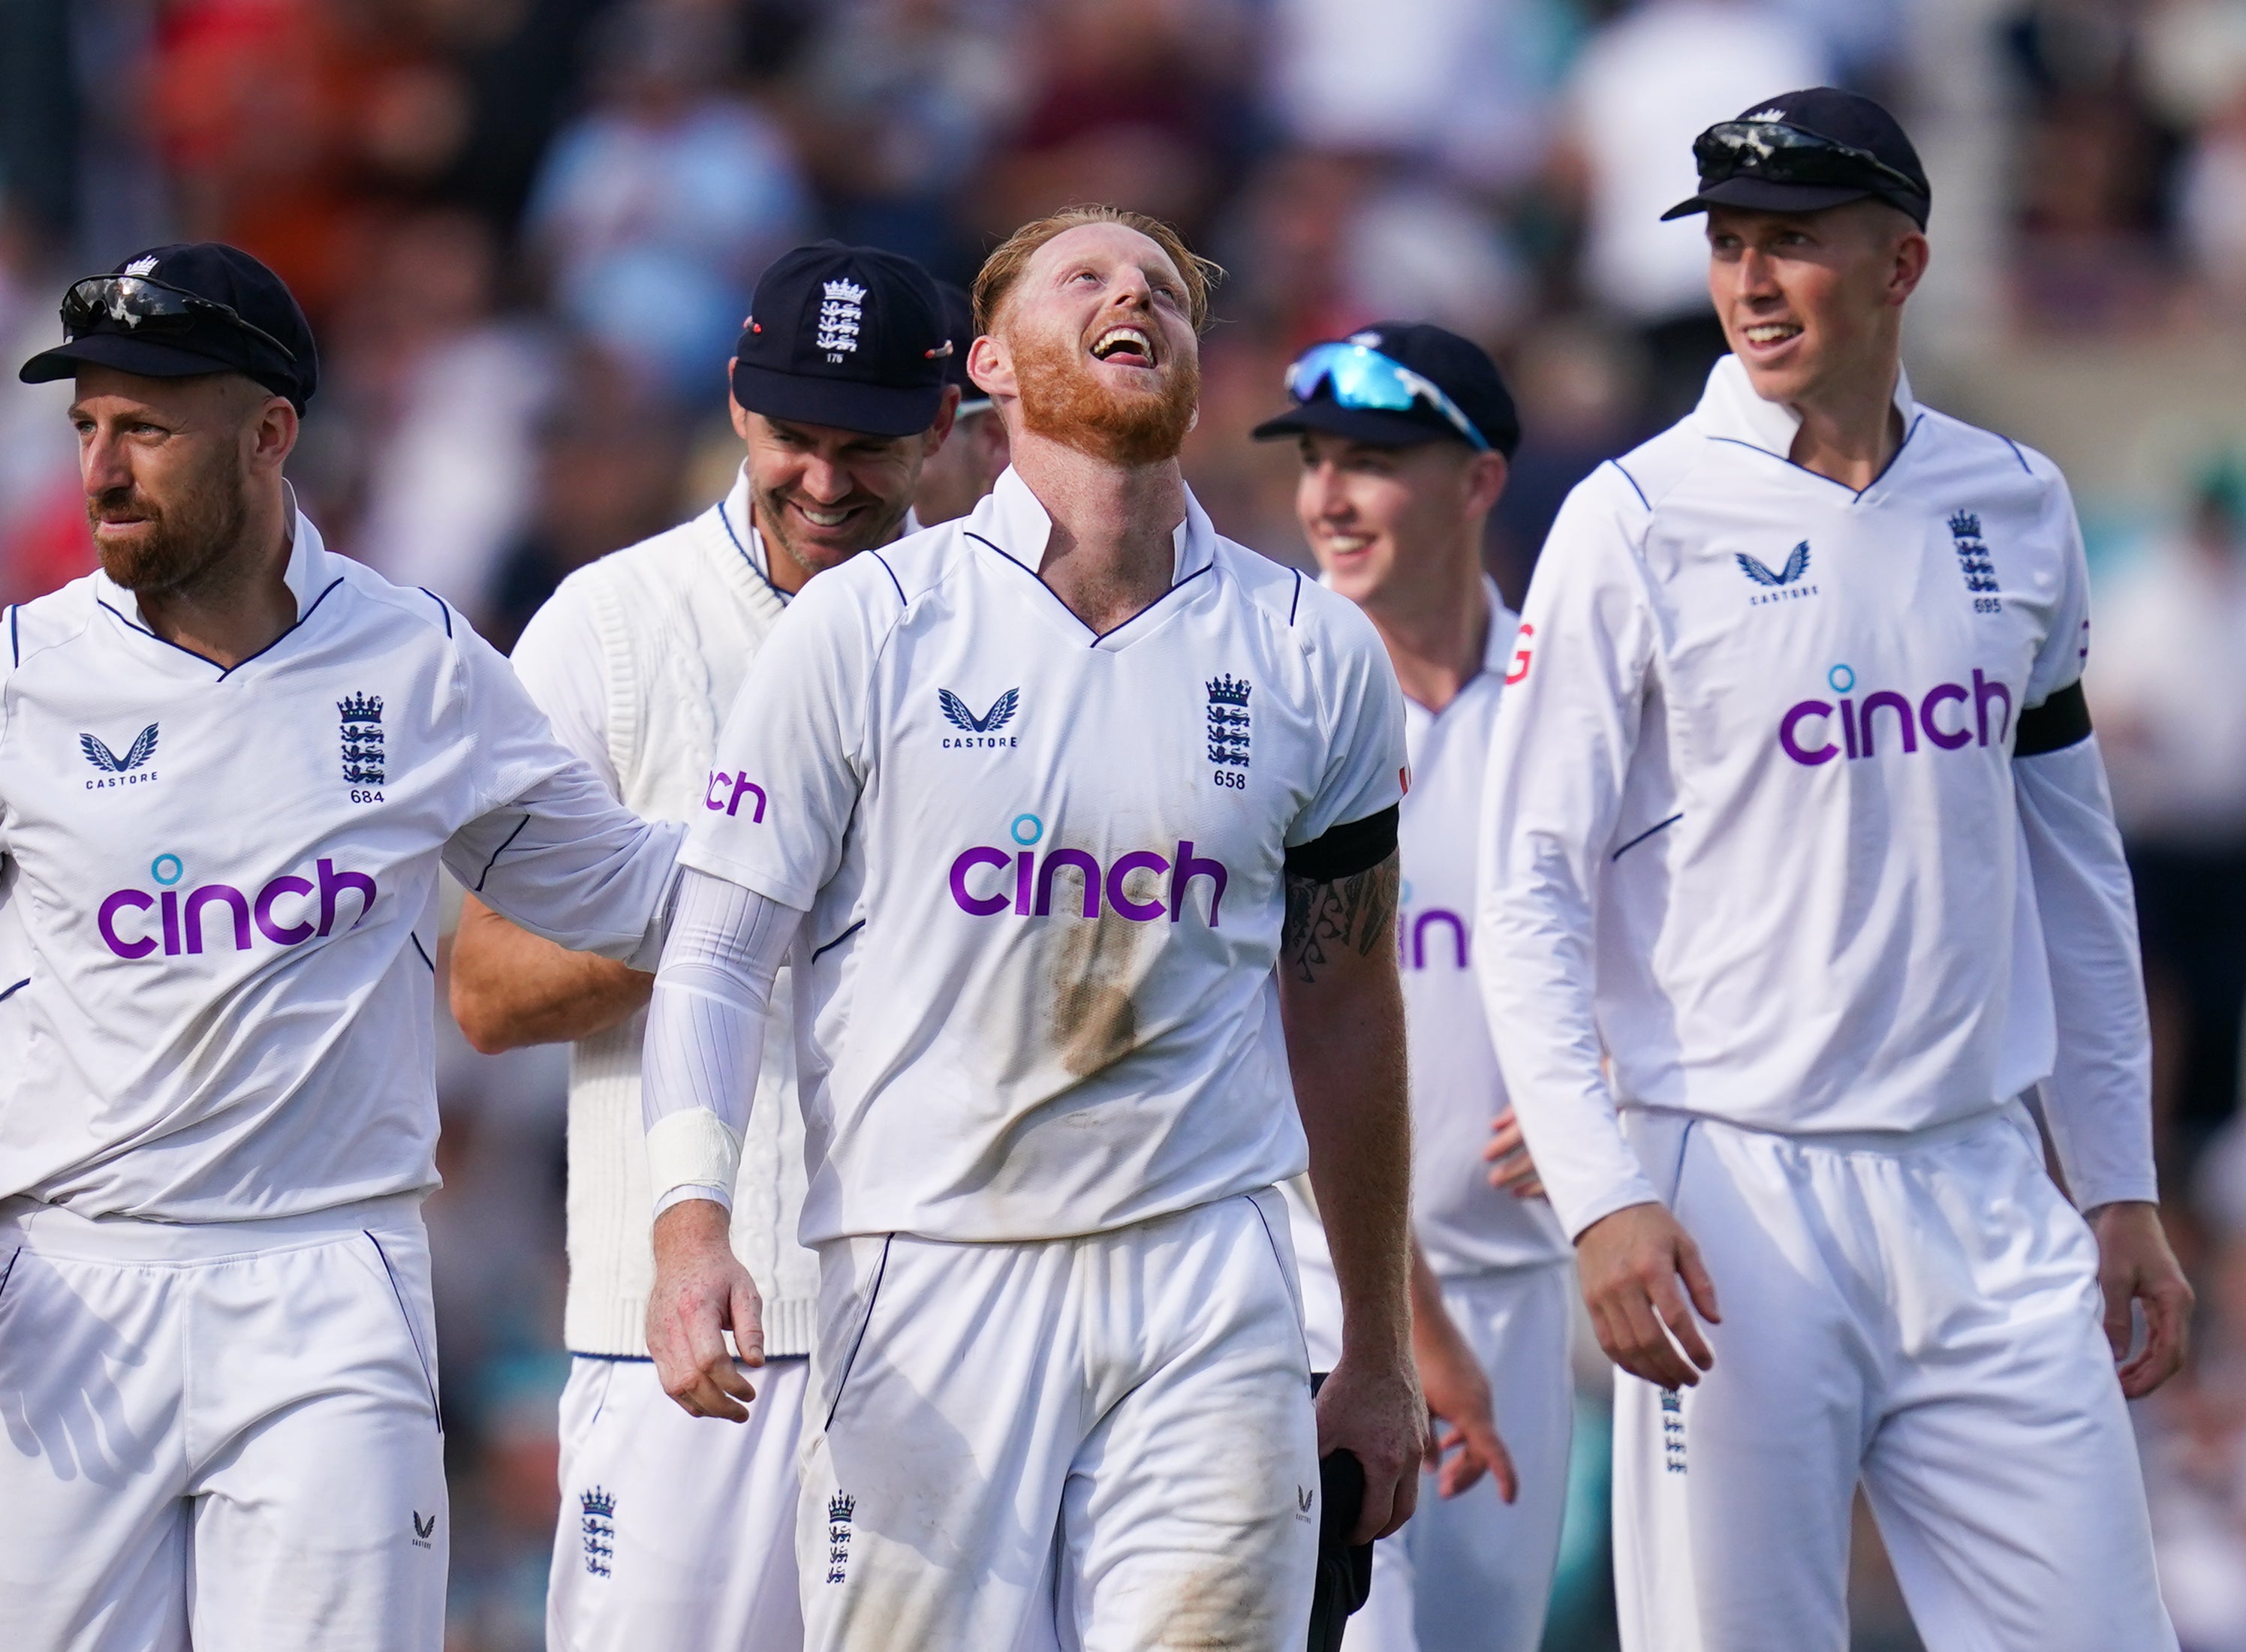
[
  {"x": 140, "y": 304},
  {"x": 1360, "y": 377},
  {"x": 1779, "y": 153}
]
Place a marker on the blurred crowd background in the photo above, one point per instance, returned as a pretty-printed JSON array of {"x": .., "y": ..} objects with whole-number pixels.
[{"x": 525, "y": 231}]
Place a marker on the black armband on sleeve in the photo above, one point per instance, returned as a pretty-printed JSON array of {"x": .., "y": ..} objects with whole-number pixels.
[
  {"x": 2060, "y": 722},
  {"x": 1345, "y": 850}
]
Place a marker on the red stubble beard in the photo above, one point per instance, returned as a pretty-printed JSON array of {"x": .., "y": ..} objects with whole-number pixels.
[
  {"x": 182, "y": 543},
  {"x": 1063, "y": 401}
]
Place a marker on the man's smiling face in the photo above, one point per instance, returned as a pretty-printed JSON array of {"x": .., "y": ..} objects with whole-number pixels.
[
  {"x": 1099, "y": 332},
  {"x": 1808, "y": 297},
  {"x": 823, "y": 495}
]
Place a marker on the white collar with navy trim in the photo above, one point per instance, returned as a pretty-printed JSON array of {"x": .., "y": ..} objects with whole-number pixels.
[
  {"x": 310, "y": 570},
  {"x": 1730, "y": 408},
  {"x": 1010, "y": 519}
]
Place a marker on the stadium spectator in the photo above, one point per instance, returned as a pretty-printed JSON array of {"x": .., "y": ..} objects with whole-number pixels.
[
  {"x": 1651, "y": 80},
  {"x": 452, "y": 393},
  {"x": 658, "y": 205},
  {"x": 2169, "y": 694}
]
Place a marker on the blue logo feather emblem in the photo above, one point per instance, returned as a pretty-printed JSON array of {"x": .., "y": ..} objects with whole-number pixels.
[
  {"x": 109, "y": 763},
  {"x": 1000, "y": 714},
  {"x": 1797, "y": 564}
]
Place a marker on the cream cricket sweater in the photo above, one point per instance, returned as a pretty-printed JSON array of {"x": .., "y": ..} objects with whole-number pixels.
[{"x": 637, "y": 659}]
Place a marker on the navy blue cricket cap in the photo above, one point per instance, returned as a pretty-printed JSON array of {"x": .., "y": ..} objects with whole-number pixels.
[
  {"x": 183, "y": 309},
  {"x": 959, "y": 322},
  {"x": 1457, "y": 367},
  {"x": 1806, "y": 151},
  {"x": 849, "y": 337}
]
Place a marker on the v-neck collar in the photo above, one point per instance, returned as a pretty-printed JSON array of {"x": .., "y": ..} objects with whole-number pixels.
[
  {"x": 1011, "y": 521},
  {"x": 1731, "y": 411},
  {"x": 310, "y": 574}
]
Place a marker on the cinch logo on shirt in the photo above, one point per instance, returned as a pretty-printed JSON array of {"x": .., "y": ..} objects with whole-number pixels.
[
  {"x": 1412, "y": 938},
  {"x": 1948, "y": 714},
  {"x": 1034, "y": 873},
  {"x": 181, "y": 924},
  {"x": 715, "y": 794}
]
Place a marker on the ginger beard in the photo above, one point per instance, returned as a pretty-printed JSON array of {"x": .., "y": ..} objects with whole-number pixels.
[
  {"x": 1063, "y": 401},
  {"x": 181, "y": 542}
]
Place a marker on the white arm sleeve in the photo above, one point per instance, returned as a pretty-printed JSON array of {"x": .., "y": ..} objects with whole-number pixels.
[
  {"x": 1560, "y": 764},
  {"x": 2100, "y": 1103},
  {"x": 705, "y": 1035}
]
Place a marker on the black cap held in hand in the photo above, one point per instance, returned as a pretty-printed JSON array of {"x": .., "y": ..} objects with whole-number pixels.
[
  {"x": 1457, "y": 366},
  {"x": 1845, "y": 118},
  {"x": 199, "y": 339},
  {"x": 848, "y": 336}
]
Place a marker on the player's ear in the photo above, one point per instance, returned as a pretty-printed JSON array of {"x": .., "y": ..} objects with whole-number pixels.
[
  {"x": 946, "y": 412},
  {"x": 991, "y": 364},
  {"x": 1487, "y": 475},
  {"x": 741, "y": 414}
]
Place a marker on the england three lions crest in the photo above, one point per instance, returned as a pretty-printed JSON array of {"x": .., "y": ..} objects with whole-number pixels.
[
  {"x": 366, "y": 764},
  {"x": 1230, "y": 725}
]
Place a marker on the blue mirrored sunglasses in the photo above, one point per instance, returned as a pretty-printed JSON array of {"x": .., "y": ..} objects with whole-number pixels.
[{"x": 1361, "y": 378}]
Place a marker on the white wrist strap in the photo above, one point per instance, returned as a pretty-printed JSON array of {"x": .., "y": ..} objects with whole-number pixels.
[{"x": 692, "y": 1148}]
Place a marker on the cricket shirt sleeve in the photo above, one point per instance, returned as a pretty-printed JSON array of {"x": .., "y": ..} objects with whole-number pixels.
[
  {"x": 547, "y": 846},
  {"x": 2099, "y": 1100},
  {"x": 1349, "y": 823},
  {"x": 1566, "y": 731},
  {"x": 793, "y": 754}
]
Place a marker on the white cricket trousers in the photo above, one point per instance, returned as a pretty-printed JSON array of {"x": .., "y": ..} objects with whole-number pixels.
[
  {"x": 1921, "y": 1314},
  {"x": 1104, "y": 1443},
  {"x": 677, "y": 1533},
  {"x": 222, "y": 1435},
  {"x": 1472, "y": 1573}
]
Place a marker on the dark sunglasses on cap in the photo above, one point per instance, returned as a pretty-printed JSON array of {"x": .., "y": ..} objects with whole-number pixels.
[
  {"x": 141, "y": 304},
  {"x": 1779, "y": 153},
  {"x": 1362, "y": 379}
]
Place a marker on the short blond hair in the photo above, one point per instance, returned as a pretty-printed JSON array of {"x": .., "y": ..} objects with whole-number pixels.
[{"x": 1004, "y": 265}]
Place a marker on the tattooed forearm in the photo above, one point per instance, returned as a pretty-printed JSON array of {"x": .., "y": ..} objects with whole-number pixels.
[{"x": 1325, "y": 920}]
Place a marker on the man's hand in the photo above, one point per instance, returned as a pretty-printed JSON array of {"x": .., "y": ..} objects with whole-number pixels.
[
  {"x": 2134, "y": 1264},
  {"x": 1508, "y": 1152},
  {"x": 1631, "y": 1262},
  {"x": 1374, "y": 1409},
  {"x": 1458, "y": 1397},
  {"x": 702, "y": 1291}
]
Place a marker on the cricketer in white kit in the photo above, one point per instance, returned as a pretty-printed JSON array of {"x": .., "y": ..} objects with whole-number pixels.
[
  {"x": 1796, "y": 815},
  {"x": 673, "y": 1533},
  {"x": 230, "y": 765},
  {"x": 1471, "y": 1569},
  {"x": 1037, "y": 813},
  {"x": 1404, "y": 430}
]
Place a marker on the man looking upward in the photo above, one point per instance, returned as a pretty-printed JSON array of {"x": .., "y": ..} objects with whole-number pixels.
[
  {"x": 1039, "y": 798},
  {"x": 1405, "y": 431},
  {"x": 1796, "y": 812},
  {"x": 231, "y": 763},
  {"x": 671, "y": 1535}
]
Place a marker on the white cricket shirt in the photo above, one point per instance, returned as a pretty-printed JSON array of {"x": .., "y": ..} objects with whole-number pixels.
[
  {"x": 1752, "y": 828},
  {"x": 1464, "y": 1225},
  {"x": 1043, "y": 871},
  {"x": 215, "y": 901}
]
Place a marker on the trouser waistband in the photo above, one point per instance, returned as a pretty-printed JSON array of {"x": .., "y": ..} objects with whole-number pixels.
[
  {"x": 2014, "y": 1112},
  {"x": 52, "y": 1230}
]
